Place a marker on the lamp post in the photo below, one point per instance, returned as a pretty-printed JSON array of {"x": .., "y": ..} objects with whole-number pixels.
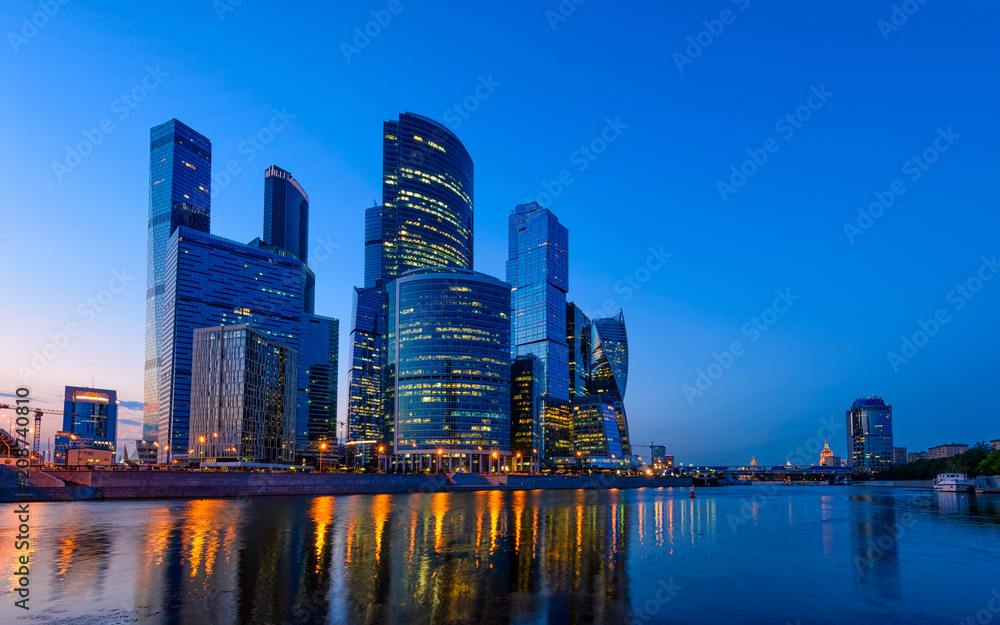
[
  {"x": 381, "y": 451},
  {"x": 322, "y": 446}
]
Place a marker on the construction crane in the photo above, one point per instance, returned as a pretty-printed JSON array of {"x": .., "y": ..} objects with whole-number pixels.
[{"x": 36, "y": 441}]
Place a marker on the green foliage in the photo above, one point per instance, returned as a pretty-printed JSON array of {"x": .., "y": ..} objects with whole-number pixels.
[{"x": 977, "y": 461}]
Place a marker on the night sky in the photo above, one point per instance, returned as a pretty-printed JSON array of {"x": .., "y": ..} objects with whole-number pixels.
[{"x": 710, "y": 163}]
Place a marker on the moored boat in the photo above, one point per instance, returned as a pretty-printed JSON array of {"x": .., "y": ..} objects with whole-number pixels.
[{"x": 952, "y": 483}]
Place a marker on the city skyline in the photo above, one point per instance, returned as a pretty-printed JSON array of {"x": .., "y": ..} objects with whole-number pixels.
[{"x": 690, "y": 285}]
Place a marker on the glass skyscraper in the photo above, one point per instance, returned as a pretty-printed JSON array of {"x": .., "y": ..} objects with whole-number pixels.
[
  {"x": 449, "y": 369},
  {"x": 609, "y": 368},
  {"x": 286, "y": 213},
  {"x": 92, "y": 413},
  {"x": 425, "y": 220},
  {"x": 869, "y": 434},
  {"x": 316, "y": 411},
  {"x": 525, "y": 411},
  {"x": 595, "y": 432},
  {"x": 180, "y": 171},
  {"x": 578, "y": 342},
  {"x": 242, "y": 398},
  {"x": 538, "y": 272}
]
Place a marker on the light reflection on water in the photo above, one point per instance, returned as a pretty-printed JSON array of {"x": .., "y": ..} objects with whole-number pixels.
[{"x": 813, "y": 554}]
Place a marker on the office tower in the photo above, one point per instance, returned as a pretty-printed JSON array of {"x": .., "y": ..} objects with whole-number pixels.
[
  {"x": 425, "y": 220},
  {"x": 316, "y": 399},
  {"x": 658, "y": 456},
  {"x": 286, "y": 213},
  {"x": 595, "y": 432},
  {"x": 525, "y": 412},
  {"x": 448, "y": 374},
  {"x": 538, "y": 272},
  {"x": 578, "y": 342},
  {"x": 899, "y": 455},
  {"x": 946, "y": 451},
  {"x": 92, "y": 413},
  {"x": 869, "y": 434},
  {"x": 211, "y": 281},
  {"x": 609, "y": 368},
  {"x": 242, "y": 398},
  {"x": 180, "y": 171}
]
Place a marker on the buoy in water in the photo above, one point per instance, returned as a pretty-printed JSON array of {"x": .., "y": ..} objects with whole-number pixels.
[{"x": 692, "y": 492}]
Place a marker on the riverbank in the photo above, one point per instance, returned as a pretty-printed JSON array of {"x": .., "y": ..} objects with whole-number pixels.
[
  {"x": 927, "y": 484},
  {"x": 118, "y": 485}
]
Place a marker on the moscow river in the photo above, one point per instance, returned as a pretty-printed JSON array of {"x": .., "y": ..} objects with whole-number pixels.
[{"x": 779, "y": 554}]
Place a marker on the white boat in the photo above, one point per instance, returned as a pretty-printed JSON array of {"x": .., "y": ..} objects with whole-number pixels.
[{"x": 952, "y": 483}]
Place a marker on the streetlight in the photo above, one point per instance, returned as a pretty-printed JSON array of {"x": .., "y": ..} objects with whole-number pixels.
[{"x": 322, "y": 446}]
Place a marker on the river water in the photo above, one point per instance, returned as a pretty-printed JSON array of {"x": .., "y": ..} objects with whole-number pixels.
[{"x": 783, "y": 555}]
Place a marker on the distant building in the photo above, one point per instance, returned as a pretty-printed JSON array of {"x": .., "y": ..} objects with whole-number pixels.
[
  {"x": 946, "y": 451},
  {"x": 139, "y": 452},
  {"x": 595, "y": 432},
  {"x": 525, "y": 407},
  {"x": 658, "y": 453},
  {"x": 899, "y": 455},
  {"x": 448, "y": 373},
  {"x": 826, "y": 457},
  {"x": 609, "y": 368},
  {"x": 92, "y": 413},
  {"x": 64, "y": 441},
  {"x": 995, "y": 445},
  {"x": 869, "y": 434},
  {"x": 242, "y": 398},
  {"x": 913, "y": 456},
  {"x": 89, "y": 457},
  {"x": 286, "y": 212}
]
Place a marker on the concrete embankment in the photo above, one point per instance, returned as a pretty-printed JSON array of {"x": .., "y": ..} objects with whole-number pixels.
[
  {"x": 91, "y": 485},
  {"x": 928, "y": 484}
]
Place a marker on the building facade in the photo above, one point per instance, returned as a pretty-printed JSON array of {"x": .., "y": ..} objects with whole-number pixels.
[
  {"x": 595, "y": 432},
  {"x": 899, "y": 455},
  {"x": 92, "y": 413},
  {"x": 286, "y": 213},
  {"x": 243, "y": 387},
  {"x": 425, "y": 220},
  {"x": 316, "y": 396},
  {"x": 913, "y": 456},
  {"x": 525, "y": 411},
  {"x": 946, "y": 451},
  {"x": 869, "y": 434},
  {"x": 449, "y": 370},
  {"x": 180, "y": 180},
  {"x": 538, "y": 272},
  {"x": 995, "y": 445},
  {"x": 609, "y": 368}
]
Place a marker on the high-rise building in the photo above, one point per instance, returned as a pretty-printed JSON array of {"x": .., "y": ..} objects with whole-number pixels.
[
  {"x": 578, "y": 342},
  {"x": 595, "y": 432},
  {"x": 899, "y": 455},
  {"x": 425, "y": 220},
  {"x": 286, "y": 213},
  {"x": 609, "y": 368},
  {"x": 92, "y": 413},
  {"x": 525, "y": 411},
  {"x": 242, "y": 398},
  {"x": 946, "y": 451},
  {"x": 213, "y": 281},
  {"x": 180, "y": 171},
  {"x": 316, "y": 399},
  {"x": 449, "y": 367},
  {"x": 538, "y": 272},
  {"x": 869, "y": 434}
]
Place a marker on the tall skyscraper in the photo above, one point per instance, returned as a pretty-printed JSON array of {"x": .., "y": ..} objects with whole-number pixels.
[
  {"x": 425, "y": 220},
  {"x": 538, "y": 272},
  {"x": 448, "y": 374},
  {"x": 286, "y": 213},
  {"x": 316, "y": 411},
  {"x": 578, "y": 342},
  {"x": 180, "y": 172},
  {"x": 869, "y": 434},
  {"x": 595, "y": 432},
  {"x": 609, "y": 368},
  {"x": 212, "y": 281},
  {"x": 525, "y": 412},
  {"x": 242, "y": 398},
  {"x": 92, "y": 413}
]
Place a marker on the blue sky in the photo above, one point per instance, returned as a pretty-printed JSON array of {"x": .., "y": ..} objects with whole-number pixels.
[{"x": 665, "y": 121}]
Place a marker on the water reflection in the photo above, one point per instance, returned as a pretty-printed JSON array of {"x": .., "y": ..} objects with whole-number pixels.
[{"x": 497, "y": 557}]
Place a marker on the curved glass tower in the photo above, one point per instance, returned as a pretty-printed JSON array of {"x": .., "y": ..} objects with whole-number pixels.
[
  {"x": 609, "y": 367},
  {"x": 286, "y": 213},
  {"x": 449, "y": 370}
]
